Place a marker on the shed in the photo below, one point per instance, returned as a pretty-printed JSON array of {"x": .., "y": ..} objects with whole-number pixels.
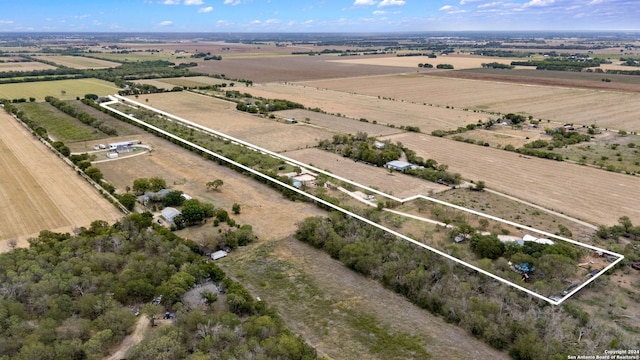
[
  {"x": 398, "y": 165},
  {"x": 170, "y": 213},
  {"x": 218, "y": 255}
]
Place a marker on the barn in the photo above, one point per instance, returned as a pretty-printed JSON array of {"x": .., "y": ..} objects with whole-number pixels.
[{"x": 398, "y": 165}]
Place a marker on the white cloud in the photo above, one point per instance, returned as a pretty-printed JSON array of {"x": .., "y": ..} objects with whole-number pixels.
[
  {"x": 6, "y": 22},
  {"x": 207, "y": 9},
  {"x": 488, "y": 5},
  {"x": 539, "y": 3},
  {"x": 596, "y": 2},
  {"x": 272, "y": 21},
  {"x": 232, "y": 2},
  {"x": 193, "y": 2},
  {"x": 379, "y": 12},
  {"x": 465, "y": 2},
  {"x": 384, "y": 3},
  {"x": 364, "y": 3},
  {"x": 166, "y": 23},
  {"x": 446, "y": 8},
  {"x": 171, "y": 2}
]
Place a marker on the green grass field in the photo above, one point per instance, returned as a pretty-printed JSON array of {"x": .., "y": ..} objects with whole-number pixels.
[
  {"x": 144, "y": 56},
  {"x": 62, "y": 89},
  {"x": 59, "y": 125}
]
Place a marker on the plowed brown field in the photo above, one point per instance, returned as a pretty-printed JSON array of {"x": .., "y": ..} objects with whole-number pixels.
[
  {"x": 608, "y": 109},
  {"x": 590, "y": 194},
  {"x": 39, "y": 191},
  {"x": 221, "y": 115}
]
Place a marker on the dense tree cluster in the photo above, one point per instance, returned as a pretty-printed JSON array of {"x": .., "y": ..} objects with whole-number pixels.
[
  {"x": 70, "y": 297},
  {"x": 562, "y": 64},
  {"x": 497, "y": 65}
]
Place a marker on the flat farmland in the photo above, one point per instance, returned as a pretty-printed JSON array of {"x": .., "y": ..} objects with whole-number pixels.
[
  {"x": 271, "y": 215},
  {"x": 170, "y": 83},
  {"x": 371, "y": 107},
  {"x": 261, "y": 68},
  {"x": 39, "y": 191},
  {"x": 593, "y": 195},
  {"x": 79, "y": 62},
  {"x": 609, "y": 109},
  {"x": 72, "y": 89},
  {"x": 24, "y": 66},
  {"x": 221, "y": 115},
  {"x": 397, "y": 184},
  {"x": 336, "y": 124},
  {"x": 458, "y": 61}
]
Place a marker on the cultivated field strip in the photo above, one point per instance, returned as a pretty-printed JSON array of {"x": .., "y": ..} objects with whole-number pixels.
[
  {"x": 619, "y": 257},
  {"x": 39, "y": 191}
]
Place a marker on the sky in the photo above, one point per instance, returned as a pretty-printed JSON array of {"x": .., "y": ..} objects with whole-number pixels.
[{"x": 317, "y": 15}]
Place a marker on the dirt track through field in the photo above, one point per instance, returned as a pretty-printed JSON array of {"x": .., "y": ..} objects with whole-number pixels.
[
  {"x": 39, "y": 191},
  {"x": 586, "y": 193}
]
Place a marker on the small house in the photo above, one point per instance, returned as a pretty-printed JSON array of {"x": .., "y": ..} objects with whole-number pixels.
[{"x": 170, "y": 213}]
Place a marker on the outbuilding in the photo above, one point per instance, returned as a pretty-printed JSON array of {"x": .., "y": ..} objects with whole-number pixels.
[
  {"x": 218, "y": 255},
  {"x": 398, "y": 165},
  {"x": 170, "y": 213}
]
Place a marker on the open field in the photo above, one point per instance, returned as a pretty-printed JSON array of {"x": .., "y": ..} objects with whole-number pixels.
[
  {"x": 221, "y": 115},
  {"x": 72, "y": 89},
  {"x": 79, "y": 62},
  {"x": 586, "y": 193},
  {"x": 24, "y": 66},
  {"x": 294, "y": 68},
  {"x": 170, "y": 83},
  {"x": 39, "y": 191},
  {"x": 338, "y": 310},
  {"x": 458, "y": 61},
  {"x": 384, "y": 111},
  {"x": 271, "y": 215},
  {"x": 572, "y": 79},
  {"x": 397, "y": 184},
  {"x": 336, "y": 124},
  {"x": 502, "y": 135},
  {"x": 558, "y": 104}
]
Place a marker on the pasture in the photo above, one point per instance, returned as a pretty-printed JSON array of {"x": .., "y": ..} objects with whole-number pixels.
[
  {"x": 62, "y": 89},
  {"x": 557, "y": 104},
  {"x": 221, "y": 115},
  {"x": 336, "y": 124},
  {"x": 79, "y": 62},
  {"x": 40, "y": 191},
  {"x": 60, "y": 126},
  {"x": 586, "y": 193}
]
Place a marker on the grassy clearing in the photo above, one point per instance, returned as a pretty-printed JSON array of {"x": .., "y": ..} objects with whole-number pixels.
[
  {"x": 617, "y": 153},
  {"x": 59, "y": 125},
  {"x": 336, "y": 319},
  {"x": 72, "y": 89}
]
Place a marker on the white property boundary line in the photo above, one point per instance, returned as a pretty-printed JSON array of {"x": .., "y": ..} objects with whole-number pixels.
[{"x": 117, "y": 98}]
